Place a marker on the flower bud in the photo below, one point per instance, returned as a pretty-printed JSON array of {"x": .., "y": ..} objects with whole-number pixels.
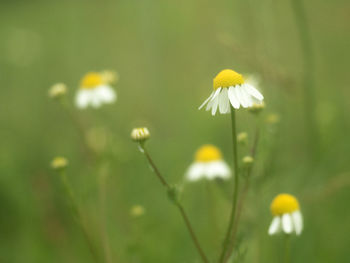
[
  {"x": 59, "y": 163},
  {"x": 242, "y": 138},
  {"x": 109, "y": 77},
  {"x": 272, "y": 118},
  {"x": 140, "y": 134},
  {"x": 257, "y": 108},
  {"x": 137, "y": 211},
  {"x": 57, "y": 91},
  {"x": 247, "y": 161}
]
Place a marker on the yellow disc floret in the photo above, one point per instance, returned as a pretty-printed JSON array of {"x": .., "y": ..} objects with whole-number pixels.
[
  {"x": 284, "y": 203},
  {"x": 91, "y": 80},
  {"x": 227, "y": 78},
  {"x": 208, "y": 153}
]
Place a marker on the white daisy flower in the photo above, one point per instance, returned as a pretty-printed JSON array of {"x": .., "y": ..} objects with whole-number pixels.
[
  {"x": 230, "y": 88},
  {"x": 208, "y": 164},
  {"x": 94, "y": 91},
  {"x": 287, "y": 215}
]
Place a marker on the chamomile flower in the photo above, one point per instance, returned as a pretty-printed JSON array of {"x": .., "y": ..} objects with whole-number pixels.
[
  {"x": 287, "y": 215},
  {"x": 95, "y": 90},
  {"x": 208, "y": 164},
  {"x": 231, "y": 88}
]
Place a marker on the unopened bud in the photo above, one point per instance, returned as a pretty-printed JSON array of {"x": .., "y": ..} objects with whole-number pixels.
[
  {"x": 57, "y": 91},
  {"x": 257, "y": 107},
  {"x": 137, "y": 211},
  {"x": 242, "y": 138},
  {"x": 59, "y": 163},
  {"x": 140, "y": 134},
  {"x": 248, "y": 161}
]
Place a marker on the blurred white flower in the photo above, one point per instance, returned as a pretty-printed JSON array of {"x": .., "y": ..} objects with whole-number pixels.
[
  {"x": 208, "y": 164},
  {"x": 94, "y": 91},
  {"x": 231, "y": 88},
  {"x": 287, "y": 215}
]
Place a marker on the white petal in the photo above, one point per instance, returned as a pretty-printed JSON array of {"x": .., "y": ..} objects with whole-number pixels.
[
  {"x": 95, "y": 99},
  {"x": 287, "y": 223},
  {"x": 215, "y": 105},
  {"x": 233, "y": 98},
  {"x": 224, "y": 101},
  {"x": 275, "y": 225},
  {"x": 216, "y": 93},
  {"x": 217, "y": 169},
  {"x": 254, "y": 92},
  {"x": 196, "y": 171},
  {"x": 247, "y": 96},
  {"x": 241, "y": 96},
  {"x": 106, "y": 94},
  {"x": 206, "y": 101},
  {"x": 83, "y": 98},
  {"x": 298, "y": 222}
]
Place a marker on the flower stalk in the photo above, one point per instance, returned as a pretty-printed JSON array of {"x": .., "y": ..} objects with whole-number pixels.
[
  {"x": 236, "y": 187},
  {"x": 77, "y": 214},
  {"x": 172, "y": 196}
]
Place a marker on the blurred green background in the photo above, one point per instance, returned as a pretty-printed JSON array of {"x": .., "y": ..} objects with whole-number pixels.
[{"x": 167, "y": 53}]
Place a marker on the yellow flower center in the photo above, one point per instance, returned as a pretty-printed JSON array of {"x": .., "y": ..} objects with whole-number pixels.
[
  {"x": 91, "y": 80},
  {"x": 227, "y": 78},
  {"x": 208, "y": 153},
  {"x": 284, "y": 203}
]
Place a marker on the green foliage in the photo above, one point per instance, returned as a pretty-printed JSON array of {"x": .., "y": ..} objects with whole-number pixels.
[{"x": 166, "y": 54}]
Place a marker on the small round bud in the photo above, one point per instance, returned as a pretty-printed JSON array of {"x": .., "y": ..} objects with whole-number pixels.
[
  {"x": 247, "y": 161},
  {"x": 257, "y": 108},
  {"x": 109, "y": 77},
  {"x": 140, "y": 134},
  {"x": 272, "y": 118},
  {"x": 242, "y": 138},
  {"x": 137, "y": 211},
  {"x": 57, "y": 91},
  {"x": 59, "y": 163}
]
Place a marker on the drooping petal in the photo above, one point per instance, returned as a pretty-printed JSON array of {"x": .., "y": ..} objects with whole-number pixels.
[
  {"x": 287, "y": 223},
  {"x": 254, "y": 92},
  {"x": 215, "y": 105},
  {"x": 216, "y": 93},
  {"x": 195, "y": 172},
  {"x": 233, "y": 99},
  {"x": 247, "y": 96},
  {"x": 206, "y": 101},
  {"x": 298, "y": 222},
  {"x": 224, "y": 101},
  {"x": 217, "y": 169},
  {"x": 275, "y": 225},
  {"x": 106, "y": 94},
  {"x": 83, "y": 98}
]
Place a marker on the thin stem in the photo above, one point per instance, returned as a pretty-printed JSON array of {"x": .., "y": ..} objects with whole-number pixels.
[
  {"x": 80, "y": 129},
  {"x": 77, "y": 215},
  {"x": 102, "y": 198},
  {"x": 177, "y": 203},
  {"x": 236, "y": 187},
  {"x": 243, "y": 194},
  {"x": 287, "y": 249},
  {"x": 308, "y": 70}
]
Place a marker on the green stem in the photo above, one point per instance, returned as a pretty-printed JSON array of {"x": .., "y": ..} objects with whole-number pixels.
[
  {"x": 177, "y": 203},
  {"x": 85, "y": 149},
  {"x": 77, "y": 215},
  {"x": 103, "y": 175},
  {"x": 236, "y": 187},
  {"x": 243, "y": 195},
  {"x": 308, "y": 71},
  {"x": 287, "y": 249}
]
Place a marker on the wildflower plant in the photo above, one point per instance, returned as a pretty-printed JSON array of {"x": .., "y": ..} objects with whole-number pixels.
[{"x": 96, "y": 90}]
